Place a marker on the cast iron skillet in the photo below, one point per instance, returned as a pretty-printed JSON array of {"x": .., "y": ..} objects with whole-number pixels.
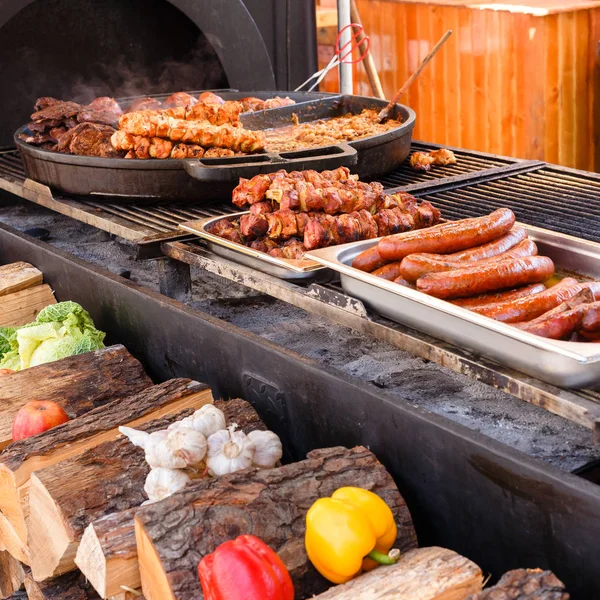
[{"x": 214, "y": 178}]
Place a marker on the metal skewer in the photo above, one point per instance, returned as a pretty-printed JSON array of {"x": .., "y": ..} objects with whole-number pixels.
[{"x": 385, "y": 112}]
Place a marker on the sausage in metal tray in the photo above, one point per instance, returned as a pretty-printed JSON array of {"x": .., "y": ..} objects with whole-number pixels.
[
  {"x": 448, "y": 237},
  {"x": 495, "y": 275}
]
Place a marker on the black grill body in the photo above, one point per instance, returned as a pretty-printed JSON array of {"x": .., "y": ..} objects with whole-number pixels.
[{"x": 80, "y": 49}]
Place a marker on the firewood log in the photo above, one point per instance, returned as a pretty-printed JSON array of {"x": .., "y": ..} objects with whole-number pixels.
[
  {"x": 423, "y": 574},
  {"x": 78, "y": 383},
  {"x": 173, "y": 535},
  {"x": 18, "y": 276},
  {"x": 525, "y": 584},
  {"x": 20, "y": 459},
  {"x": 107, "y": 554},
  {"x": 66, "y": 497},
  {"x": 11, "y": 575},
  {"x": 20, "y": 308},
  {"x": 72, "y": 586}
]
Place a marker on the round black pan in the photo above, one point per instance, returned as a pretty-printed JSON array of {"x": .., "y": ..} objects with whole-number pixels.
[{"x": 210, "y": 179}]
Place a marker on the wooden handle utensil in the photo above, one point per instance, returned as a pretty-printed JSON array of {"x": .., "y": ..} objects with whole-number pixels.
[{"x": 385, "y": 113}]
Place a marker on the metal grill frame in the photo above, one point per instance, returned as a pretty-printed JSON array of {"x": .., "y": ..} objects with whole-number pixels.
[
  {"x": 180, "y": 251},
  {"x": 149, "y": 224}
]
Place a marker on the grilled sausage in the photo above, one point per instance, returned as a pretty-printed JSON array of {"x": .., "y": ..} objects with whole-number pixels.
[
  {"x": 562, "y": 321},
  {"x": 591, "y": 319},
  {"x": 530, "y": 307},
  {"x": 558, "y": 326},
  {"x": 448, "y": 237},
  {"x": 500, "y": 297},
  {"x": 402, "y": 281},
  {"x": 489, "y": 250},
  {"x": 390, "y": 271},
  {"x": 369, "y": 260},
  {"x": 417, "y": 265},
  {"x": 588, "y": 336},
  {"x": 481, "y": 278}
]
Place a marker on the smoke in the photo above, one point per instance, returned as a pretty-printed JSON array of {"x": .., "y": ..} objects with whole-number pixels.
[{"x": 199, "y": 69}]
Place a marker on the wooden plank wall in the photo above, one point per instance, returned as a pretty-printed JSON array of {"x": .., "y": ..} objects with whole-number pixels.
[{"x": 506, "y": 83}]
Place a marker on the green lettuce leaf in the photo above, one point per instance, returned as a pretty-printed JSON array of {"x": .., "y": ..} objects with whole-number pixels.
[
  {"x": 60, "y": 330},
  {"x": 8, "y": 340}
]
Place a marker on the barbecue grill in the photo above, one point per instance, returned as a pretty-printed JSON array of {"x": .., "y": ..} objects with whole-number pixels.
[
  {"x": 81, "y": 49},
  {"x": 449, "y": 475}
]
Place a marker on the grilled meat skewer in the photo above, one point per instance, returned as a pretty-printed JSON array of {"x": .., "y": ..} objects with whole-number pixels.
[
  {"x": 252, "y": 191},
  {"x": 143, "y": 147},
  {"x": 197, "y": 132}
]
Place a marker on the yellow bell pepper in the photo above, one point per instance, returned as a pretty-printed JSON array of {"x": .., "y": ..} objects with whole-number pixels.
[{"x": 347, "y": 530}]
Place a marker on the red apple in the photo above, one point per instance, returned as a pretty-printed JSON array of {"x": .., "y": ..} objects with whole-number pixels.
[
  {"x": 36, "y": 417},
  {"x": 6, "y": 372}
]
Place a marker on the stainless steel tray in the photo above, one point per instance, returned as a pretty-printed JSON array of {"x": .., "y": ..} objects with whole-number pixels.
[
  {"x": 565, "y": 364},
  {"x": 282, "y": 268}
]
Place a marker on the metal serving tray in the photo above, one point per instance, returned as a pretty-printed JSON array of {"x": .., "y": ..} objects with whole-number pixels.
[
  {"x": 282, "y": 268},
  {"x": 565, "y": 364}
]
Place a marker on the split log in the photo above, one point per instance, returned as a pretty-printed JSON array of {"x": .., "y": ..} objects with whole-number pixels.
[
  {"x": 66, "y": 497},
  {"x": 72, "y": 586},
  {"x": 68, "y": 587},
  {"x": 424, "y": 574},
  {"x": 23, "y": 307},
  {"x": 107, "y": 553},
  {"x": 100, "y": 425},
  {"x": 525, "y": 584},
  {"x": 20, "y": 595},
  {"x": 11, "y": 575},
  {"x": 173, "y": 535},
  {"x": 78, "y": 383},
  {"x": 18, "y": 276}
]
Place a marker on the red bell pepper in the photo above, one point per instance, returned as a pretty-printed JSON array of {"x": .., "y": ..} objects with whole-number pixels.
[{"x": 244, "y": 569}]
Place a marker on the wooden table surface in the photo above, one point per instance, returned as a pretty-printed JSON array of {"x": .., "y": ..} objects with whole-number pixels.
[{"x": 535, "y": 7}]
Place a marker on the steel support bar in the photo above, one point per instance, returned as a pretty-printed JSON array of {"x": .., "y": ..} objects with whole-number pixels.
[
  {"x": 344, "y": 19},
  {"x": 350, "y": 312}
]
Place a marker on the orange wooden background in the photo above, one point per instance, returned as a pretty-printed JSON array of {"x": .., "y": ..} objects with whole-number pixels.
[{"x": 506, "y": 83}]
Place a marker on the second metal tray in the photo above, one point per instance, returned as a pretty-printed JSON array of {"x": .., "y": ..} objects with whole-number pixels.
[
  {"x": 282, "y": 268},
  {"x": 565, "y": 364}
]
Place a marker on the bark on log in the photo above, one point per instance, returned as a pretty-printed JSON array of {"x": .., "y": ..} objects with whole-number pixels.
[
  {"x": 11, "y": 575},
  {"x": 424, "y": 574},
  {"x": 525, "y": 584},
  {"x": 107, "y": 553},
  {"x": 72, "y": 586},
  {"x": 22, "y": 458},
  {"x": 173, "y": 535},
  {"x": 18, "y": 276},
  {"x": 66, "y": 497},
  {"x": 23, "y": 307},
  {"x": 79, "y": 384}
]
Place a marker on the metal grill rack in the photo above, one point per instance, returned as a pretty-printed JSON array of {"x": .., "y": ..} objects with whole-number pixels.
[
  {"x": 147, "y": 224},
  {"x": 468, "y": 163},
  {"x": 552, "y": 197}
]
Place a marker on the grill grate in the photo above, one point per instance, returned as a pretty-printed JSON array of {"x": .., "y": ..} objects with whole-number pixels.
[
  {"x": 554, "y": 198},
  {"x": 141, "y": 222},
  {"x": 467, "y": 163}
]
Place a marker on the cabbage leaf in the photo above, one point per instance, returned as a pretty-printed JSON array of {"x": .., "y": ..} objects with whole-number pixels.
[{"x": 59, "y": 330}]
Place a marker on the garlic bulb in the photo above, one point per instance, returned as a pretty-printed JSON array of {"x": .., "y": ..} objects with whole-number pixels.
[
  {"x": 185, "y": 423},
  {"x": 268, "y": 449},
  {"x": 229, "y": 451},
  {"x": 207, "y": 420},
  {"x": 136, "y": 437},
  {"x": 161, "y": 483},
  {"x": 177, "y": 449},
  {"x": 144, "y": 440}
]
